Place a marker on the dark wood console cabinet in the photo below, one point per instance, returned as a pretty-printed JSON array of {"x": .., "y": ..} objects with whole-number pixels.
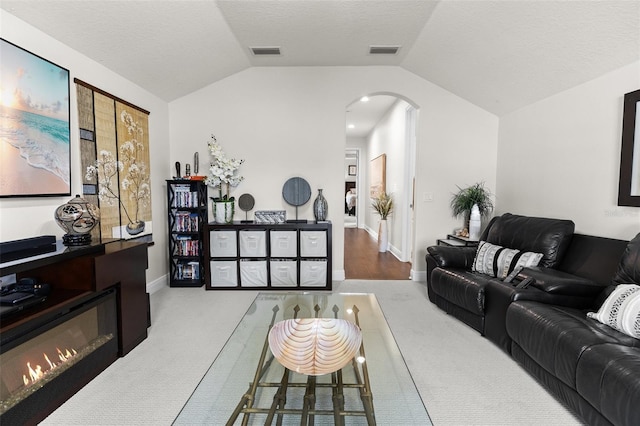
[
  {"x": 74, "y": 273},
  {"x": 98, "y": 292}
]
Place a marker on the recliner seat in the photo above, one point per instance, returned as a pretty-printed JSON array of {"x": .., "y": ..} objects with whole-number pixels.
[{"x": 455, "y": 288}]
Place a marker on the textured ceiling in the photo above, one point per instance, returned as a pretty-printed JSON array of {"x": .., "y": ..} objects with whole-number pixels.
[{"x": 500, "y": 55}]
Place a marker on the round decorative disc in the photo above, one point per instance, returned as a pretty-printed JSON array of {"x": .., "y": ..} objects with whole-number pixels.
[
  {"x": 296, "y": 191},
  {"x": 246, "y": 202}
]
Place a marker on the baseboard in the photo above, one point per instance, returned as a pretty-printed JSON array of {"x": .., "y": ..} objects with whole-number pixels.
[
  {"x": 158, "y": 284},
  {"x": 419, "y": 276},
  {"x": 392, "y": 249}
]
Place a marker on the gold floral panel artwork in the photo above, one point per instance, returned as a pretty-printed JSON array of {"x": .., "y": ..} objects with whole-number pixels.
[{"x": 115, "y": 161}]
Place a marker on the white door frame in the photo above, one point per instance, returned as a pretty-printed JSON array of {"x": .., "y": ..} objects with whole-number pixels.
[
  {"x": 409, "y": 196},
  {"x": 359, "y": 177}
]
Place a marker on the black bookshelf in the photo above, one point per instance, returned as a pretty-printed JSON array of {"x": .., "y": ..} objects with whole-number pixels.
[{"x": 188, "y": 215}]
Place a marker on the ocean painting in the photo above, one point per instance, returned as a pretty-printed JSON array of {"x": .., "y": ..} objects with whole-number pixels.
[{"x": 34, "y": 125}]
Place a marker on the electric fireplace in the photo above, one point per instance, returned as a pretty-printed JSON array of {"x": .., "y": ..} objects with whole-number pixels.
[{"x": 43, "y": 363}]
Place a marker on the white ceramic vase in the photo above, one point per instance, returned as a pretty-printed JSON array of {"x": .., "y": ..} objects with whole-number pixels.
[
  {"x": 383, "y": 236},
  {"x": 474, "y": 223},
  {"x": 223, "y": 211}
]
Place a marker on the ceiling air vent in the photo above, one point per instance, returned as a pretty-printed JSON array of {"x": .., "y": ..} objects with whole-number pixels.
[
  {"x": 266, "y": 51},
  {"x": 383, "y": 50}
]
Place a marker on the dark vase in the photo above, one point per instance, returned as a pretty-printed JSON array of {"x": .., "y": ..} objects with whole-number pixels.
[
  {"x": 77, "y": 217},
  {"x": 320, "y": 207}
]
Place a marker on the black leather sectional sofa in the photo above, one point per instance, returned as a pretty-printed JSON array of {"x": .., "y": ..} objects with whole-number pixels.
[{"x": 590, "y": 366}]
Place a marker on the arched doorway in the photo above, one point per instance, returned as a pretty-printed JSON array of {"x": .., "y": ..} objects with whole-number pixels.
[{"x": 383, "y": 124}]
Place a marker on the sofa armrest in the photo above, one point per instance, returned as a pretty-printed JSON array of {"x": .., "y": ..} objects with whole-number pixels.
[
  {"x": 553, "y": 281},
  {"x": 453, "y": 257}
]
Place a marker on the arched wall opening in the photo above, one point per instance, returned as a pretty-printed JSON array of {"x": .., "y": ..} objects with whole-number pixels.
[{"x": 385, "y": 124}]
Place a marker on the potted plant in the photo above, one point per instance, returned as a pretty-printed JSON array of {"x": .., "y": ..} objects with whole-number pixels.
[
  {"x": 222, "y": 175},
  {"x": 383, "y": 205},
  {"x": 463, "y": 201}
]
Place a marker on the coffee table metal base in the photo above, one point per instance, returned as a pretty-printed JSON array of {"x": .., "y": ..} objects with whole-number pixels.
[{"x": 308, "y": 411}]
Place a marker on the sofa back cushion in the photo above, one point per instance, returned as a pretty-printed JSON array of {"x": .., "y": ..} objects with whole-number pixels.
[
  {"x": 629, "y": 266},
  {"x": 595, "y": 258},
  {"x": 551, "y": 237}
]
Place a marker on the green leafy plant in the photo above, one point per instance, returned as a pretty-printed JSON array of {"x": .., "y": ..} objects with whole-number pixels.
[
  {"x": 383, "y": 205},
  {"x": 465, "y": 198}
]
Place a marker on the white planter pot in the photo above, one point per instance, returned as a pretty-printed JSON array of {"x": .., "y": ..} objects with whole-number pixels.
[
  {"x": 383, "y": 236},
  {"x": 474, "y": 224},
  {"x": 223, "y": 211}
]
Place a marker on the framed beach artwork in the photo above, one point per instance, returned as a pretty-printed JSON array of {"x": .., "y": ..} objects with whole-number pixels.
[
  {"x": 35, "y": 155},
  {"x": 629, "y": 184},
  {"x": 378, "y": 176}
]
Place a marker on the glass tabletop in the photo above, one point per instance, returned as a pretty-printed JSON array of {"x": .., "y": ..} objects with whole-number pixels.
[{"x": 245, "y": 383}]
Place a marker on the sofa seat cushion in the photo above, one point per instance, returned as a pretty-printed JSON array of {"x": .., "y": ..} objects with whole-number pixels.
[
  {"x": 608, "y": 376},
  {"x": 460, "y": 287},
  {"x": 556, "y": 337}
]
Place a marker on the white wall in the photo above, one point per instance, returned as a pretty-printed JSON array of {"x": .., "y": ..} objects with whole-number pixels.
[
  {"x": 388, "y": 137},
  {"x": 560, "y": 157},
  {"x": 289, "y": 122},
  {"x": 29, "y": 217}
]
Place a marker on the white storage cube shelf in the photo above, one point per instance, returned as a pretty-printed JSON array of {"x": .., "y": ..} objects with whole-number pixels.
[
  {"x": 284, "y": 273},
  {"x": 313, "y": 273},
  {"x": 224, "y": 273},
  {"x": 313, "y": 243},
  {"x": 269, "y": 256},
  {"x": 253, "y": 243},
  {"x": 283, "y": 243},
  {"x": 223, "y": 244},
  {"x": 253, "y": 273}
]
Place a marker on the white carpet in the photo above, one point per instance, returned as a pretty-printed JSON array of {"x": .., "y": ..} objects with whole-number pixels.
[{"x": 462, "y": 377}]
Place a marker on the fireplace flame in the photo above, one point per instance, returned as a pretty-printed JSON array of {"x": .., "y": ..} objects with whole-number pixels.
[
  {"x": 51, "y": 364},
  {"x": 35, "y": 374}
]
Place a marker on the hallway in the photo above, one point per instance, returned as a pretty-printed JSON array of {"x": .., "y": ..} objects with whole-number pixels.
[{"x": 363, "y": 261}]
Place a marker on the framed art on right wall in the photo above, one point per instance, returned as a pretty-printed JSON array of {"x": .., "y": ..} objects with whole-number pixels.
[{"x": 629, "y": 186}]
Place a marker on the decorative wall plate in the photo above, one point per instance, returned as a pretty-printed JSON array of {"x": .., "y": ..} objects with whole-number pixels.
[
  {"x": 296, "y": 191},
  {"x": 246, "y": 203}
]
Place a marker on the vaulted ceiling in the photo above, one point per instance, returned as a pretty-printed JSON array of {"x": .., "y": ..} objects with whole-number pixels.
[{"x": 498, "y": 54}]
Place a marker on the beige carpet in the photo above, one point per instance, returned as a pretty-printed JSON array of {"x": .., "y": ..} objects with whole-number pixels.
[{"x": 463, "y": 378}]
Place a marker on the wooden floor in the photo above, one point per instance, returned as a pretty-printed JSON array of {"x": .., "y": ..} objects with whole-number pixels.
[{"x": 363, "y": 261}]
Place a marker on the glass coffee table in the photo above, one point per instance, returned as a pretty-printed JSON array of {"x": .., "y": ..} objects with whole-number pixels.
[{"x": 245, "y": 384}]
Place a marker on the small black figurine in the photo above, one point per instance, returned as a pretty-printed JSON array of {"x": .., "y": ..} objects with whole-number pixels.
[{"x": 178, "y": 175}]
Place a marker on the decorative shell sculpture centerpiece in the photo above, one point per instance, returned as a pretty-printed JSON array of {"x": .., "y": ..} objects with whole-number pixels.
[{"x": 314, "y": 346}]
